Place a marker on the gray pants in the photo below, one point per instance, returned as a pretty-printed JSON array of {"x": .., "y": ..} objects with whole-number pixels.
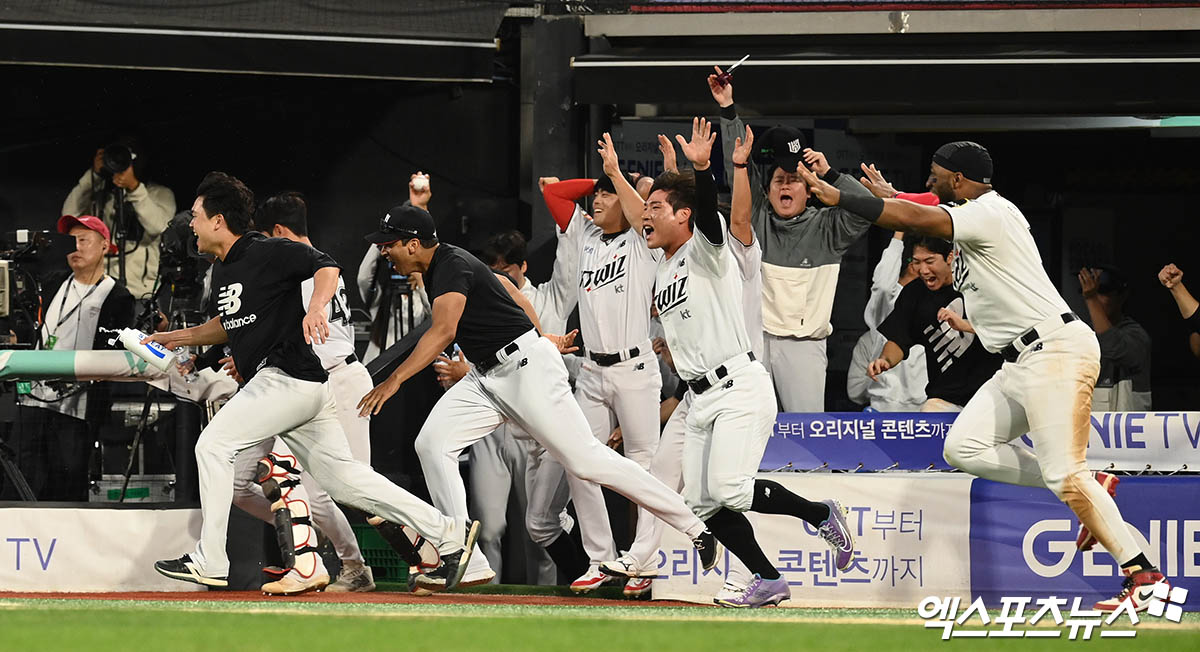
[{"x": 798, "y": 369}]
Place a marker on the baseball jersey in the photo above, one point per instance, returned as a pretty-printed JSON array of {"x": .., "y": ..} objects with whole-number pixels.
[
  {"x": 554, "y": 300},
  {"x": 749, "y": 261},
  {"x": 699, "y": 294},
  {"x": 999, "y": 271},
  {"x": 490, "y": 318},
  {"x": 258, "y": 300},
  {"x": 340, "y": 343},
  {"x": 616, "y": 284}
]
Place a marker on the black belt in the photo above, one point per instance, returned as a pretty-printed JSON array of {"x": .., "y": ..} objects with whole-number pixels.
[
  {"x": 702, "y": 384},
  {"x": 1011, "y": 352},
  {"x": 490, "y": 362},
  {"x": 351, "y": 359},
  {"x": 610, "y": 359}
]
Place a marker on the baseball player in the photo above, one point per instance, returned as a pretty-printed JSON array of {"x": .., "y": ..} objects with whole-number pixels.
[
  {"x": 732, "y": 410},
  {"x": 258, "y": 295},
  {"x": 518, "y": 375},
  {"x": 619, "y": 376},
  {"x": 1051, "y": 358},
  {"x": 286, "y": 216}
]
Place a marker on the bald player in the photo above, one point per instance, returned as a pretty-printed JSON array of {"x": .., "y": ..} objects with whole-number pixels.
[{"x": 1051, "y": 357}]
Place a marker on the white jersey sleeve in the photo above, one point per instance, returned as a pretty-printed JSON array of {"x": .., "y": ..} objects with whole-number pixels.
[
  {"x": 999, "y": 271},
  {"x": 554, "y": 300},
  {"x": 340, "y": 343},
  {"x": 749, "y": 262}
]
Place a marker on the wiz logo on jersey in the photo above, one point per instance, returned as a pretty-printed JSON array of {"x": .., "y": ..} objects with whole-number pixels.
[
  {"x": 961, "y": 273},
  {"x": 671, "y": 296},
  {"x": 947, "y": 343},
  {"x": 611, "y": 272}
]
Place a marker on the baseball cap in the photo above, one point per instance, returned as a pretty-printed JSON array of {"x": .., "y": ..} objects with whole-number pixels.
[
  {"x": 781, "y": 146},
  {"x": 971, "y": 159},
  {"x": 66, "y": 222},
  {"x": 1111, "y": 280},
  {"x": 404, "y": 222}
]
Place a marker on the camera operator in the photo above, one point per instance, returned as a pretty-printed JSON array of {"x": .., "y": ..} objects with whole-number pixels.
[
  {"x": 135, "y": 212},
  {"x": 86, "y": 310}
]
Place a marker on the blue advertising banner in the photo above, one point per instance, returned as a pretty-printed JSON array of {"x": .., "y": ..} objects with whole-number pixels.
[
  {"x": 1023, "y": 540},
  {"x": 877, "y": 441}
]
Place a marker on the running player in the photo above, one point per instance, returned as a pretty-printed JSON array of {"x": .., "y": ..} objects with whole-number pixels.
[
  {"x": 518, "y": 375},
  {"x": 258, "y": 281},
  {"x": 1051, "y": 358},
  {"x": 732, "y": 413}
]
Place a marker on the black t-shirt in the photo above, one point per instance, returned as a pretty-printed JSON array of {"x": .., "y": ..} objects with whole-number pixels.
[
  {"x": 256, "y": 290},
  {"x": 957, "y": 363},
  {"x": 490, "y": 319}
]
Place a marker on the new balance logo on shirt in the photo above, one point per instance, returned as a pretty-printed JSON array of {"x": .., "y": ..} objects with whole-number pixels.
[{"x": 228, "y": 299}]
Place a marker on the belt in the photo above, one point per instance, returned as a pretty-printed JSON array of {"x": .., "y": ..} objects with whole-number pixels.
[
  {"x": 610, "y": 359},
  {"x": 345, "y": 362},
  {"x": 492, "y": 361},
  {"x": 1012, "y": 351},
  {"x": 705, "y": 382}
]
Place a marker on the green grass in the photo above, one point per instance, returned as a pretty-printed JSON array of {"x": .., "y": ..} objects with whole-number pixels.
[{"x": 264, "y": 626}]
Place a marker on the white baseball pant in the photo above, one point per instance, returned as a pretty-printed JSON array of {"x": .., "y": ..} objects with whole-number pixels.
[
  {"x": 498, "y": 472},
  {"x": 349, "y": 383},
  {"x": 304, "y": 414},
  {"x": 1047, "y": 393},
  {"x": 797, "y": 367},
  {"x": 668, "y": 467},
  {"x": 530, "y": 388},
  {"x": 629, "y": 391}
]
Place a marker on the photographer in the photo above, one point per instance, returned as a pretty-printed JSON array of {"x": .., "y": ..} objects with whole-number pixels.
[
  {"x": 85, "y": 311},
  {"x": 135, "y": 212}
]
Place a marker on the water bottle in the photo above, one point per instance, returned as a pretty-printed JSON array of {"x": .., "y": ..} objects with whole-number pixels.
[{"x": 156, "y": 354}]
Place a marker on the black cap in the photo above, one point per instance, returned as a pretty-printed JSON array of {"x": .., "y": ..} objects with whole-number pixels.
[
  {"x": 404, "y": 222},
  {"x": 1111, "y": 279},
  {"x": 781, "y": 146},
  {"x": 971, "y": 159}
]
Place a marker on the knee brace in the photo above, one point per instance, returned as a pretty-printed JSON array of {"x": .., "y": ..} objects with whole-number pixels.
[
  {"x": 413, "y": 548},
  {"x": 279, "y": 477}
]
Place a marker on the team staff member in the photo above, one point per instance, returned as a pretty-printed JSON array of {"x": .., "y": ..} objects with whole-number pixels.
[
  {"x": 802, "y": 249},
  {"x": 619, "y": 377},
  {"x": 698, "y": 292},
  {"x": 931, "y": 314},
  {"x": 257, "y": 281},
  {"x": 1051, "y": 357},
  {"x": 518, "y": 375},
  {"x": 285, "y": 215},
  {"x": 1124, "y": 382}
]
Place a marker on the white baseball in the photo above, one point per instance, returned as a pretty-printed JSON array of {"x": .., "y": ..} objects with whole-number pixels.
[{"x": 420, "y": 183}]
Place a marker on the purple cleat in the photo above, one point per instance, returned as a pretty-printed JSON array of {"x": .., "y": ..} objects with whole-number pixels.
[
  {"x": 837, "y": 534},
  {"x": 760, "y": 593}
]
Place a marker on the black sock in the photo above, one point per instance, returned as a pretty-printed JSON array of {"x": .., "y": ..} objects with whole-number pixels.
[
  {"x": 772, "y": 498},
  {"x": 1140, "y": 560},
  {"x": 734, "y": 530},
  {"x": 566, "y": 550}
]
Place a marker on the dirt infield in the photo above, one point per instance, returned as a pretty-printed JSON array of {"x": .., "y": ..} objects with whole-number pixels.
[{"x": 379, "y": 597}]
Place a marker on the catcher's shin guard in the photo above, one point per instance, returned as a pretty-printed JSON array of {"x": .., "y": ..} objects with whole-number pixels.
[
  {"x": 412, "y": 547},
  {"x": 279, "y": 476}
]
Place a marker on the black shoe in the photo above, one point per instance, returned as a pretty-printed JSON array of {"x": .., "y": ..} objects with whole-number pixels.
[
  {"x": 708, "y": 548},
  {"x": 185, "y": 569},
  {"x": 454, "y": 565}
]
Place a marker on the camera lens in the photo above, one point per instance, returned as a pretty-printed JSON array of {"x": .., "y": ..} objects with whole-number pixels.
[{"x": 117, "y": 158}]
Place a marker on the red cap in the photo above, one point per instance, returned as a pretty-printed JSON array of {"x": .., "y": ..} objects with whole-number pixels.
[{"x": 88, "y": 222}]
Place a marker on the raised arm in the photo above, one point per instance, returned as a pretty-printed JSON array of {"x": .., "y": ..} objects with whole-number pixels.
[
  {"x": 561, "y": 197},
  {"x": 698, "y": 150},
  {"x": 741, "y": 206},
  {"x": 891, "y": 214},
  {"x": 1171, "y": 278},
  {"x": 632, "y": 203}
]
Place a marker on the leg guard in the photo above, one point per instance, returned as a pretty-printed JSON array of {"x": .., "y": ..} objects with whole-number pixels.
[
  {"x": 413, "y": 548},
  {"x": 279, "y": 476}
]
